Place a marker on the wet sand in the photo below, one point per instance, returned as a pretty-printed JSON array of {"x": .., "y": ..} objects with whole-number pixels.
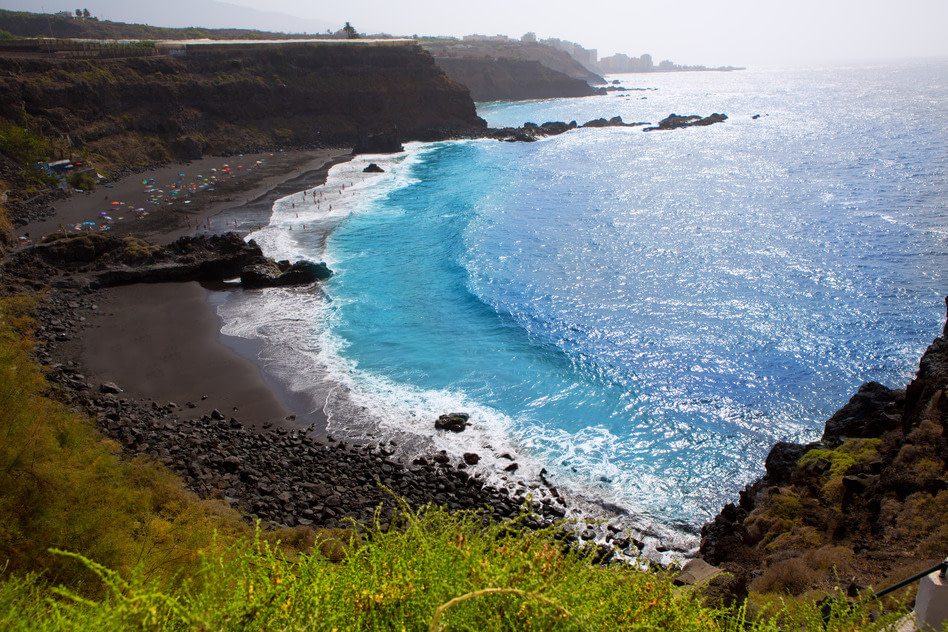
[{"x": 161, "y": 342}]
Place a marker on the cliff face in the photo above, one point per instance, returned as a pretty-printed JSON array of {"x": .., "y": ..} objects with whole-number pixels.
[
  {"x": 226, "y": 99},
  {"x": 512, "y": 79},
  {"x": 867, "y": 503},
  {"x": 550, "y": 57}
]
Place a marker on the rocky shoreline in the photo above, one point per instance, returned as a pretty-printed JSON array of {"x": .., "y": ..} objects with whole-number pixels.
[
  {"x": 863, "y": 506},
  {"x": 281, "y": 475},
  {"x": 288, "y": 476}
]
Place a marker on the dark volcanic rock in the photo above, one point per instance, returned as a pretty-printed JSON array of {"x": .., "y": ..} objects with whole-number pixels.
[
  {"x": 110, "y": 261},
  {"x": 674, "y": 121},
  {"x": 455, "y": 422},
  {"x": 262, "y": 274},
  {"x": 615, "y": 121},
  {"x": 872, "y": 411},
  {"x": 373, "y": 168},
  {"x": 383, "y": 143},
  {"x": 268, "y": 274},
  {"x": 782, "y": 462},
  {"x": 530, "y": 132},
  {"x": 873, "y": 494},
  {"x": 304, "y": 272},
  {"x": 552, "y": 128}
]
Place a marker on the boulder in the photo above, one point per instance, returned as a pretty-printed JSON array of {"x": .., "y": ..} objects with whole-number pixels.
[
  {"x": 268, "y": 274},
  {"x": 455, "y": 422},
  {"x": 552, "y": 128},
  {"x": 304, "y": 273},
  {"x": 782, "y": 462},
  {"x": 262, "y": 274},
  {"x": 599, "y": 122},
  {"x": 373, "y": 168},
  {"x": 109, "y": 388},
  {"x": 871, "y": 412}
]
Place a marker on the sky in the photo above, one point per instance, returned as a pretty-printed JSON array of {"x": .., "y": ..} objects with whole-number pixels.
[{"x": 733, "y": 32}]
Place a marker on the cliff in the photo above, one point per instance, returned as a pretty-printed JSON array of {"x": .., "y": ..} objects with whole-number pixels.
[
  {"x": 219, "y": 99},
  {"x": 866, "y": 504},
  {"x": 550, "y": 57},
  {"x": 512, "y": 79}
]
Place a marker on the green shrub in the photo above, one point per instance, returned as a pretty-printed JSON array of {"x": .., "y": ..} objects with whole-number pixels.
[
  {"x": 84, "y": 181},
  {"x": 6, "y": 227},
  {"x": 853, "y": 452},
  {"x": 62, "y": 486},
  {"x": 22, "y": 145},
  {"x": 437, "y": 571}
]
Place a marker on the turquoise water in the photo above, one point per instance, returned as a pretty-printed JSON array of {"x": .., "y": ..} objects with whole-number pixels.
[{"x": 641, "y": 314}]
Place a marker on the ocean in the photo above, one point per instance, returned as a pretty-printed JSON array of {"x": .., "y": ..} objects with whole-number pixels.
[{"x": 637, "y": 316}]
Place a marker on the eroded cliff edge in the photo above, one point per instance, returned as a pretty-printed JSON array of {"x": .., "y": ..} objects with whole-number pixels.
[
  {"x": 510, "y": 79},
  {"x": 221, "y": 99},
  {"x": 867, "y": 505}
]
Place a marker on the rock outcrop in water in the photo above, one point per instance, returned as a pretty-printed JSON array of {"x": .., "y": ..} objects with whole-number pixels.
[
  {"x": 866, "y": 503},
  {"x": 674, "y": 121},
  {"x": 530, "y": 132}
]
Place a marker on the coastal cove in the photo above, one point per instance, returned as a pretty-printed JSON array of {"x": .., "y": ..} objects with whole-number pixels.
[
  {"x": 363, "y": 331},
  {"x": 750, "y": 277}
]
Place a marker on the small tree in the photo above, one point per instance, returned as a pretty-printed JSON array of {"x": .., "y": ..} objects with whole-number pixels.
[
  {"x": 85, "y": 13},
  {"x": 78, "y": 13},
  {"x": 350, "y": 31}
]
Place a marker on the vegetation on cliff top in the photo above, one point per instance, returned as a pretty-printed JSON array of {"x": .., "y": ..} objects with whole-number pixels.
[
  {"x": 26, "y": 24},
  {"x": 122, "y": 114}
]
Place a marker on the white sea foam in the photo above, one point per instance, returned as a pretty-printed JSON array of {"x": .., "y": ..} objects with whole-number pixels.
[
  {"x": 297, "y": 218},
  {"x": 301, "y": 350}
]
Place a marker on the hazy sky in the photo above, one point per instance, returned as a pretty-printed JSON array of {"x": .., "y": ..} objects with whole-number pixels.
[
  {"x": 686, "y": 31},
  {"x": 735, "y": 32}
]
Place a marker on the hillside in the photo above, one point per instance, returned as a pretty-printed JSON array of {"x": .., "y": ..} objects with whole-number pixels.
[
  {"x": 549, "y": 57},
  {"x": 510, "y": 70},
  {"x": 223, "y": 99},
  {"x": 512, "y": 79}
]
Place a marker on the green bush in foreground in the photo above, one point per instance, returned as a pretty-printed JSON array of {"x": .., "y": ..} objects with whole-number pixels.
[
  {"x": 63, "y": 486},
  {"x": 435, "y": 571}
]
